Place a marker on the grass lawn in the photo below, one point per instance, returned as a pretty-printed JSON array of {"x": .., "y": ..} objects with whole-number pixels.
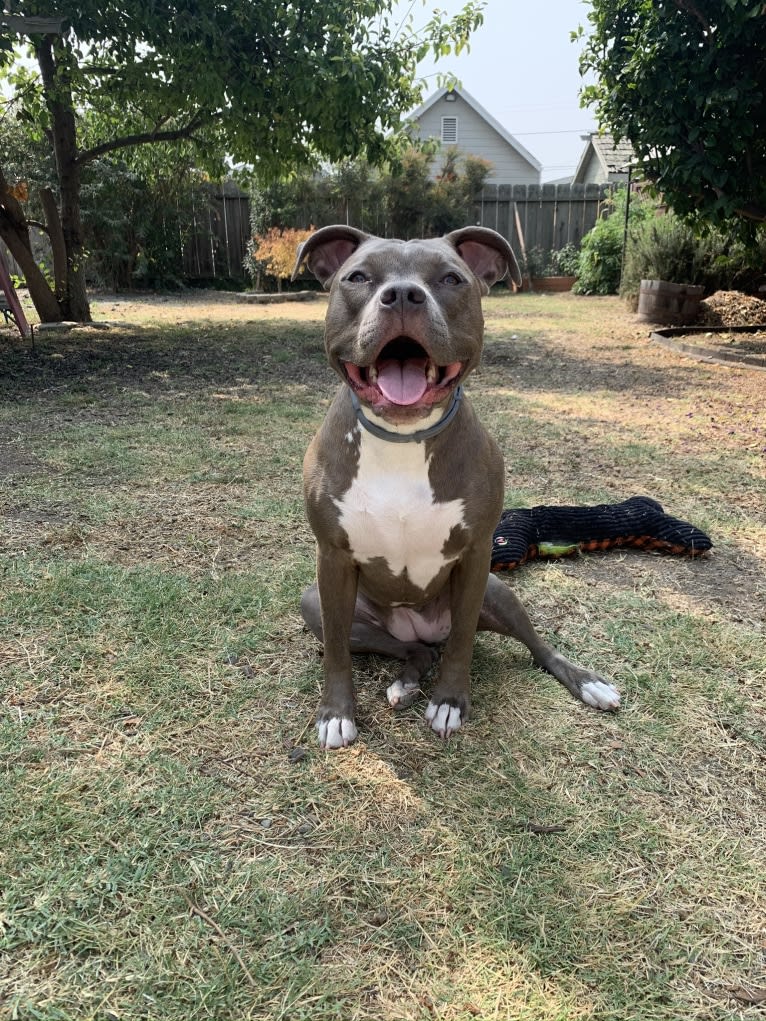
[{"x": 174, "y": 844}]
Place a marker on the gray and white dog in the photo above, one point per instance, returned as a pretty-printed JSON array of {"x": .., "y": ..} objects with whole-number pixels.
[{"x": 403, "y": 484}]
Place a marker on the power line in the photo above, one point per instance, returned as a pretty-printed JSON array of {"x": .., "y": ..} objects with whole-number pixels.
[{"x": 569, "y": 131}]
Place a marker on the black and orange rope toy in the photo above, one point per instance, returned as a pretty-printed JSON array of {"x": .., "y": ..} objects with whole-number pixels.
[{"x": 524, "y": 534}]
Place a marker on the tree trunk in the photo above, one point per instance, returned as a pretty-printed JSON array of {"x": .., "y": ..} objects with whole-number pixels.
[
  {"x": 15, "y": 233},
  {"x": 42, "y": 296},
  {"x": 56, "y": 235},
  {"x": 58, "y": 98}
]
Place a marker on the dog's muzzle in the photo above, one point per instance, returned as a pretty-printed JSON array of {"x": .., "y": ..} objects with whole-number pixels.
[{"x": 403, "y": 375}]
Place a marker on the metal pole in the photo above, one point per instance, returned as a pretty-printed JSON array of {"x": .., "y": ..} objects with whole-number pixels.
[{"x": 625, "y": 229}]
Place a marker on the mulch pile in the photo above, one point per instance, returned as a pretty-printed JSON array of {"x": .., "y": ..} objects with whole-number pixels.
[{"x": 732, "y": 308}]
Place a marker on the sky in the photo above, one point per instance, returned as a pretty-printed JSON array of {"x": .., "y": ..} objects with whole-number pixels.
[{"x": 523, "y": 69}]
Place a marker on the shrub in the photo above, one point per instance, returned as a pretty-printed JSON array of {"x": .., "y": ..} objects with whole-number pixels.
[
  {"x": 600, "y": 262},
  {"x": 535, "y": 262},
  {"x": 276, "y": 251},
  {"x": 565, "y": 262},
  {"x": 669, "y": 248},
  {"x": 664, "y": 248},
  {"x": 560, "y": 262}
]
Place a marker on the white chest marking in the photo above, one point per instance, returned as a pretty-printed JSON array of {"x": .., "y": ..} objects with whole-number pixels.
[{"x": 389, "y": 510}]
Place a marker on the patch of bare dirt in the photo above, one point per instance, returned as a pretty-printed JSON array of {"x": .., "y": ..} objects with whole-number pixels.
[
  {"x": 203, "y": 306},
  {"x": 737, "y": 344}
]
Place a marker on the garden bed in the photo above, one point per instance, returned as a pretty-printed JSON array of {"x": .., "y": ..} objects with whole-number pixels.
[
  {"x": 730, "y": 328},
  {"x": 741, "y": 345}
]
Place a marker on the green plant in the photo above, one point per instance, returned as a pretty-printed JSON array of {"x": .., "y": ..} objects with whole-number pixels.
[
  {"x": 535, "y": 262},
  {"x": 600, "y": 261},
  {"x": 554, "y": 263},
  {"x": 664, "y": 248},
  {"x": 450, "y": 199},
  {"x": 734, "y": 260},
  {"x": 668, "y": 248},
  {"x": 565, "y": 261},
  {"x": 401, "y": 200}
]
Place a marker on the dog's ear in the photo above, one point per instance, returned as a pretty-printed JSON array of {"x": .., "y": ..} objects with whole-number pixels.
[
  {"x": 326, "y": 251},
  {"x": 487, "y": 253}
]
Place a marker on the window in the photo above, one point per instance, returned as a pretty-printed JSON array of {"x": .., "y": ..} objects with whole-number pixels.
[{"x": 449, "y": 130}]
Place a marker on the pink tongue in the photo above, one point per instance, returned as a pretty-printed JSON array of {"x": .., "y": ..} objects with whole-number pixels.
[{"x": 403, "y": 382}]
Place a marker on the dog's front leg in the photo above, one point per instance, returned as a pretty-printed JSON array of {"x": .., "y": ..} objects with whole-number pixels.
[
  {"x": 450, "y": 703},
  {"x": 337, "y": 580}
]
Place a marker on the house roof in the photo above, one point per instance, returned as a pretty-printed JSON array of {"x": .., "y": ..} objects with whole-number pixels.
[
  {"x": 613, "y": 157},
  {"x": 476, "y": 105}
]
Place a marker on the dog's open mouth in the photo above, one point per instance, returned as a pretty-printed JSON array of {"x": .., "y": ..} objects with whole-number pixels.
[{"x": 403, "y": 374}]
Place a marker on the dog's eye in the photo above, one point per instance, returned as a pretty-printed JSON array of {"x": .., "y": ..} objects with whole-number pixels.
[
  {"x": 451, "y": 279},
  {"x": 357, "y": 277}
]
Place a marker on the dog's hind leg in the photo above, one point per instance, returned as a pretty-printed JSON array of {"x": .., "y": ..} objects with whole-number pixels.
[
  {"x": 504, "y": 613},
  {"x": 368, "y": 635}
]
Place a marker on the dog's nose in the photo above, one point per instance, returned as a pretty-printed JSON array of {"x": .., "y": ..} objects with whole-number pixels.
[{"x": 403, "y": 294}]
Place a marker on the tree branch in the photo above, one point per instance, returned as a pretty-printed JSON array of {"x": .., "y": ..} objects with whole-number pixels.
[
  {"x": 691, "y": 8},
  {"x": 751, "y": 211},
  {"x": 141, "y": 138}
]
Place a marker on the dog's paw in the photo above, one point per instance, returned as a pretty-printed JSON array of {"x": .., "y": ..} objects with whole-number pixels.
[
  {"x": 336, "y": 732},
  {"x": 584, "y": 684},
  {"x": 445, "y": 718},
  {"x": 401, "y": 694},
  {"x": 601, "y": 695}
]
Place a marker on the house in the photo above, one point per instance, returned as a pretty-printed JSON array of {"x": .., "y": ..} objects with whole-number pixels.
[
  {"x": 454, "y": 118},
  {"x": 603, "y": 161}
]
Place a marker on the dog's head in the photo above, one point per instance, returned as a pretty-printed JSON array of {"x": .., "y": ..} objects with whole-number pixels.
[{"x": 404, "y": 323}]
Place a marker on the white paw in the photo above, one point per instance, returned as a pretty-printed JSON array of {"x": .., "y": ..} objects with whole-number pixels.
[
  {"x": 400, "y": 695},
  {"x": 600, "y": 695},
  {"x": 444, "y": 718},
  {"x": 337, "y": 732}
]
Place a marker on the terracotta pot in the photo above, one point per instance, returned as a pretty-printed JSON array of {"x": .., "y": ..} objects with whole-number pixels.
[{"x": 552, "y": 285}]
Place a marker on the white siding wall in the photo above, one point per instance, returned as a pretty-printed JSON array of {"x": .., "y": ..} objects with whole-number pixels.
[
  {"x": 592, "y": 172},
  {"x": 478, "y": 138}
]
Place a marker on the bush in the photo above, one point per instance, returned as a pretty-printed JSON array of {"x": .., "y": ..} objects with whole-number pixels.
[
  {"x": 736, "y": 257},
  {"x": 403, "y": 200},
  {"x": 566, "y": 261},
  {"x": 276, "y": 251},
  {"x": 600, "y": 262},
  {"x": 560, "y": 262},
  {"x": 535, "y": 262},
  {"x": 666, "y": 247}
]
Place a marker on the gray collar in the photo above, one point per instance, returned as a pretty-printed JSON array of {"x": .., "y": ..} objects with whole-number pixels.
[{"x": 416, "y": 437}]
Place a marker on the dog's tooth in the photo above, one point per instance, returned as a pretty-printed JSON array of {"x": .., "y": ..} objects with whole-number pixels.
[
  {"x": 432, "y": 373},
  {"x": 372, "y": 375}
]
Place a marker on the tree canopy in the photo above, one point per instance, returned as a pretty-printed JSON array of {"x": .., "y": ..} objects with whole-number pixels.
[
  {"x": 684, "y": 81},
  {"x": 270, "y": 83}
]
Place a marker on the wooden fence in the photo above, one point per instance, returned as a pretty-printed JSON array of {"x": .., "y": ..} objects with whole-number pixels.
[
  {"x": 544, "y": 216},
  {"x": 548, "y": 216},
  {"x": 215, "y": 242}
]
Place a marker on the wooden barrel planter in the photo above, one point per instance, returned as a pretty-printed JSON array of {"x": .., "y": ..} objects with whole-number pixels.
[{"x": 659, "y": 301}]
